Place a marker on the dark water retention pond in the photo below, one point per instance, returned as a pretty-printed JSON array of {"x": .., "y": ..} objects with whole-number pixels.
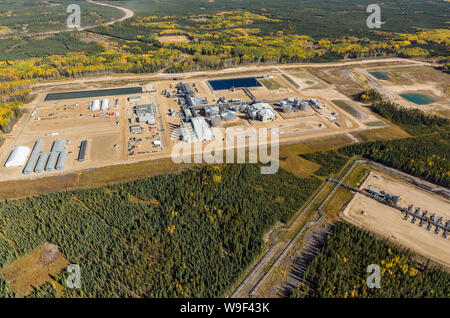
[
  {"x": 380, "y": 75},
  {"x": 231, "y": 83},
  {"x": 96, "y": 93},
  {"x": 419, "y": 99}
]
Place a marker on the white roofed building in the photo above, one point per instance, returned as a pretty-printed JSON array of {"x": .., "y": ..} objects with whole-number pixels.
[{"x": 18, "y": 157}]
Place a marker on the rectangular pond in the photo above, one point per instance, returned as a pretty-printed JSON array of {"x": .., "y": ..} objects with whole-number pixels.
[
  {"x": 243, "y": 82},
  {"x": 380, "y": 75},
  {"x": 94, "y": 93},
  {"x": 419, "y": 99}
]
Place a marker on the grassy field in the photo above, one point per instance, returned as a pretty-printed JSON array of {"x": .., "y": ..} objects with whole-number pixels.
[
  {"x": 292, "y": 162},
  {"x": 34, "y": 270},
  {"x": 317, "y": 84},
  {"x": 390, "y": 133},
  {"x": 350, "y": 108},
  {"x": 290, "y": 81},
  {"x": 271, "y": 84},
  {"x": 342, "y": 196}
]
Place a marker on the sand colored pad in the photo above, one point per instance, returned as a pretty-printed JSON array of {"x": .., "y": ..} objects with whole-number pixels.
[{"x": 389, "y": 223}]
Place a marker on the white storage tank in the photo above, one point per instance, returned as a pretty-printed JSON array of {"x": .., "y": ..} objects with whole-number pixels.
[{"x": 216, "y": 121}]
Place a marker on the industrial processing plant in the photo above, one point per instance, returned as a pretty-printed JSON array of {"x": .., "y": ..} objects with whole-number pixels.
[{"x": 70, "y": 131}]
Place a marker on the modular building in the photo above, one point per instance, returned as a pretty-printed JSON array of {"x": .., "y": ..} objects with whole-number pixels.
[
  {"x": 134, "y": 99},
  {"x": 145, "y": 109},
  {"x": 216, "y": 121},
  {"x": 147, "y": 119},
  {"x": 43, "y": 158},
  {"x": 18, "y": 157},
  {"x": 136, "y": 129},
  {"x": 33, "y": 157}
]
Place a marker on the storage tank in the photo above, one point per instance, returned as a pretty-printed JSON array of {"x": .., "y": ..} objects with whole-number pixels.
[
  {"x": 216, "y": 121},
  {"x": 243, "y": 108},
  {"x": 304, "y": 106},
  {"x": 209, "y": 112},
  {"x": 253, "y": 114},
  {"x": 228, "y": 115},
  {"x": 287, "y": 109}
]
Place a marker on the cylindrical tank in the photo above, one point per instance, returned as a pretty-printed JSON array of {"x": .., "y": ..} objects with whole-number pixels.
[
  {"x": 228, "y": 115},
  {"x": 209, "y": 112},
  {"x": 287, "y": 109},
  {"x": 253, "y": 114},
  {"x": 216, "y": 121},
  {"x": 304, "y": 106},
  {"x": 243, "y": 108}
]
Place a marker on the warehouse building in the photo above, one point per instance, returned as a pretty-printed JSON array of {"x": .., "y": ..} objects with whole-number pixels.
[
  {"x": 136, "y": 129},
  {"x": 185, "y": 89},
  {"x": 104, "y": 104},
  {"x": 29, "y": 168},
  {"x": 147, "y": 119},
  {"x": 197, "y": 130},
  {"x": 18, "y": 157},
  {"x": 145, "y": 109},
  {"x": 95, "y": 105},
  {"x": 134, "y": 99}
]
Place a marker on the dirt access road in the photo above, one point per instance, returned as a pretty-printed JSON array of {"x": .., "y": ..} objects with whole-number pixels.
[{"x": 229, "y": 71}]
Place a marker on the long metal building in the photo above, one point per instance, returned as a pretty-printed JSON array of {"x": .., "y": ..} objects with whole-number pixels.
[
  {"x": 43, "y": 158},
  {"x": 34, "y": 157},
  {"x": 82, "y": 154},
  {"x": 62, "y": 160},
  {"x": 59, "y": 145},
  {"x": 52, "y": 161}
]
